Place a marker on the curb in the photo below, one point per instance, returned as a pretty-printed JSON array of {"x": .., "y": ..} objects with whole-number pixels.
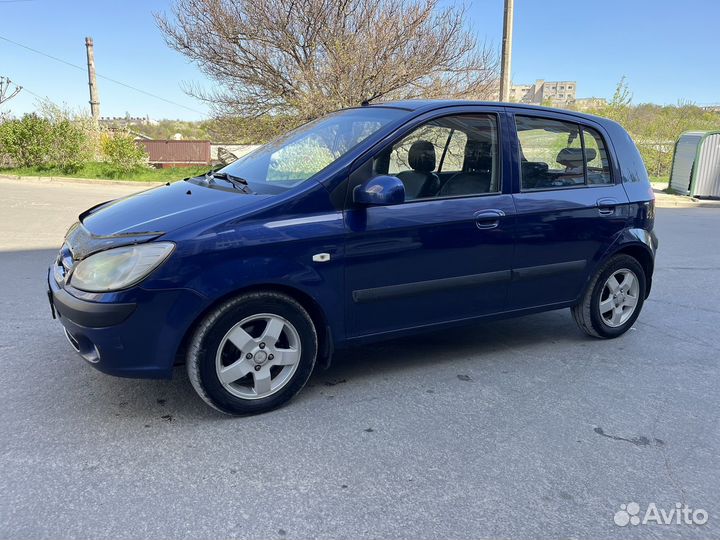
[
  {"x": 672, "y": 200},
  {"x": 97, "y": 181},
  {"x": 666, "y": 200},
  {"x": 683, "y": 204}
]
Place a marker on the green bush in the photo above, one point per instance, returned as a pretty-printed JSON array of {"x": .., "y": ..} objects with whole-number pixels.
[
  {"x": 70, "y": 149},
  {"x": 45, "y": 142},
  {"x": 122, "y": 152},
  {"x": 28, "y": 141}
]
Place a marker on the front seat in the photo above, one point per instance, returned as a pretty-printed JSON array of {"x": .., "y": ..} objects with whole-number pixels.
[
  {"x": 477, "y": 172},
  {"x": 421, "y": 182}
]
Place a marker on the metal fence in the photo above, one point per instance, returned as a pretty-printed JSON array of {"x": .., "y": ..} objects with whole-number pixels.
[{"x": 170, "y": 153}]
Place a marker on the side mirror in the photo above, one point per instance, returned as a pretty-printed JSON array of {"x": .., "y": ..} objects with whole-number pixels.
[{"x": 382, "y": 190}]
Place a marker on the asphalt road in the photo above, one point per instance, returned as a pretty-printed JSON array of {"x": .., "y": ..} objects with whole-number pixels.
[{"x": 523, "y": 428}]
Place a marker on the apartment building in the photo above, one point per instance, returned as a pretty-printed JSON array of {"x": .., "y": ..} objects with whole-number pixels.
[{"x": 557, "y": 92}]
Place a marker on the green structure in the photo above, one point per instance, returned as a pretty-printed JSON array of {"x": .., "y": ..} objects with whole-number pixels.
[{"x": 696, "y": 164}]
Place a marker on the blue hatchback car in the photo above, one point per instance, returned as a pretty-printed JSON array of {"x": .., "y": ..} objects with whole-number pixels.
[{"x": 369, "y": 223}]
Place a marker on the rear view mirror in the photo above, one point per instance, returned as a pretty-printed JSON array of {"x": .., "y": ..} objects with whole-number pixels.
[{"x": 382, "y": 190}]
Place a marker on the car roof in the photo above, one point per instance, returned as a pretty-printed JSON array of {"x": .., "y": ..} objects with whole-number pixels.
[{"x": 426, "y": 105}]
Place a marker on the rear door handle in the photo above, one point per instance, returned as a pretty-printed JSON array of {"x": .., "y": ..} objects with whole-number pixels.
[
  {"x": 488, "y": 219},
  {"x": 606, "y": 207}
]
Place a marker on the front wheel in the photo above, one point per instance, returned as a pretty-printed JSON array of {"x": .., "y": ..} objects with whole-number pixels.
[
  {"x": 613, "y": 299},
  {"x": 252, "y": 353}
]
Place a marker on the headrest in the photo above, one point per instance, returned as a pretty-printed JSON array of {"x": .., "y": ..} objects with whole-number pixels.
[
  {"x": 422, "y": 156},
  {"x": 478, "y": 156},
  {"x": 573, "y": 157}
]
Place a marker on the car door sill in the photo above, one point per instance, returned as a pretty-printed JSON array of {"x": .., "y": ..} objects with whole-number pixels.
[{"x": 431, "y": 327}]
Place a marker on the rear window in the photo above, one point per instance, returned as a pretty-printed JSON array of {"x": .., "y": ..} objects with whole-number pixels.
[{"x": 557, "y": 154}]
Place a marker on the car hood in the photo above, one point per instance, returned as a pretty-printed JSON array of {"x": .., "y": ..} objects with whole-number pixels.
[{"x": 162, "y": 209}]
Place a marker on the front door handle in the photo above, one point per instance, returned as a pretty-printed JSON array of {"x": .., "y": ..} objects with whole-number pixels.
[
  {"x": 606, "y": 207},
  {"x": 488, "y": 219}
]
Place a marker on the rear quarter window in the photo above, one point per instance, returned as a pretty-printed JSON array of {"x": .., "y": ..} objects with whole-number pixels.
[
  {"x": 557, "y": 154},
  {"x": 598, "y": 164}
]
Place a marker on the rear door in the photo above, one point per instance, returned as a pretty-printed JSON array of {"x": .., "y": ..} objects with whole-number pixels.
[{"x": 570, "y": 206}]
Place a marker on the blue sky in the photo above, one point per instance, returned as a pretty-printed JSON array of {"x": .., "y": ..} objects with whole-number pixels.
[{"x": 667, "y": 49}]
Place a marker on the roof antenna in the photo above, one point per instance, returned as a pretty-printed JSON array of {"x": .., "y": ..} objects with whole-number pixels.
[{"x": 365, "y": 103}]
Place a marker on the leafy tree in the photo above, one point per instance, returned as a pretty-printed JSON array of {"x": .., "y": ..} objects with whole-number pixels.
[
  {"x": 622, "y": 96},
  {"x": 655, "y": 128}
]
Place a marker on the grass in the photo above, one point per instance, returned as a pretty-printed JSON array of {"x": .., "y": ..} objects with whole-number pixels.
[
  {"x": 103, "y": 171},
  {"x": 660, "y": 182}
]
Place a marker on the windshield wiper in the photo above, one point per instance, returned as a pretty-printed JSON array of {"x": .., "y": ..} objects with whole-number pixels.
[{"x": 236, "y": 181}]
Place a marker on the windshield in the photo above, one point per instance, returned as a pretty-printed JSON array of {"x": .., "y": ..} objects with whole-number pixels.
[{"x": 302, "y": 153}]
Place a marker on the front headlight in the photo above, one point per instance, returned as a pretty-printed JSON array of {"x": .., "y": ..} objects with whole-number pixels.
[{"x": 120, "y": 267}]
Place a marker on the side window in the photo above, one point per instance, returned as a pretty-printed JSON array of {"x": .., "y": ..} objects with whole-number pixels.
[
  {"x": 454, "y": 157},
  {"x": 435, "y": 136},
  {"x": 598, "y": 166},
  {"x": 448, "y": 157},
  {"x": 551, "y": 153}
]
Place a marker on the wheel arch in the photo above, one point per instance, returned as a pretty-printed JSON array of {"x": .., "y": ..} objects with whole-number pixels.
[{"x": 317, "y": 314}]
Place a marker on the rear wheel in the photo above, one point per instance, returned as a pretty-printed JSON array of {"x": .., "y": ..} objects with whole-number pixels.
[
  {"x": 252, "y": 353},
  {"x": 613, "y": 299}
]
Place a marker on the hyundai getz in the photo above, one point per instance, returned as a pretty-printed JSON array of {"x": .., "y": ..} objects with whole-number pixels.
[{"x": 369, "y": 223}]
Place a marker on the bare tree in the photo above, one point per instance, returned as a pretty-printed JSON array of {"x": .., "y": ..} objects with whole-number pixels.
[
  {"x": 6, "y": 93},
  {"x": 308, "y": 57}
]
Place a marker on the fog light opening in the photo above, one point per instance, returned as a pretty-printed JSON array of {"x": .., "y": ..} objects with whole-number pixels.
[
  {"x": 72, "y": 341},
  {"x": 84, "y": 347}
]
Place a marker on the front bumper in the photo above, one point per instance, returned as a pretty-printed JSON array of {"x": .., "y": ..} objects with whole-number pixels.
[
  {"x": 135, "y": 338},
  {"x": 90, "y": 314}
]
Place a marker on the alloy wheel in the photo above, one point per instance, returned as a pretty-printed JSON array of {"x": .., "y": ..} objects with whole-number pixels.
[
  {"x": 258, "y": 356},
  {"x": 619, "y": 297}
]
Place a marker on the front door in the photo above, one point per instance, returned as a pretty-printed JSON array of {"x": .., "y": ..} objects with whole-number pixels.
[{"x": 445, "y": 254}]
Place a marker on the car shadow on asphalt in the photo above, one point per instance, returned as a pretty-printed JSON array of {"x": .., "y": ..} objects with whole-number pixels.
[{"x": 477, "y": 341}]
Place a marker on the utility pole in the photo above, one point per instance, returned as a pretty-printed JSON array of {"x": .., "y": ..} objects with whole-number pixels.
[
  {"x": 7, "y": 93},
  {"x": 506, "y": 59},
  {"x": 92, "y": 81}
]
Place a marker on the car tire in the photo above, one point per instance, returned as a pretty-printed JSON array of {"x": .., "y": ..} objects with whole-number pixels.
[
  {"x": 252, "y": 353},
  {"x": 604, "y": 312}
]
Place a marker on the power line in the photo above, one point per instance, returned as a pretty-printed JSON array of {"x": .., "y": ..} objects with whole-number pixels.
[
  {"x": 38, "y": 96},
  {"x": 27, "y": 90},
  {"x": 81, "y": 68}
]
